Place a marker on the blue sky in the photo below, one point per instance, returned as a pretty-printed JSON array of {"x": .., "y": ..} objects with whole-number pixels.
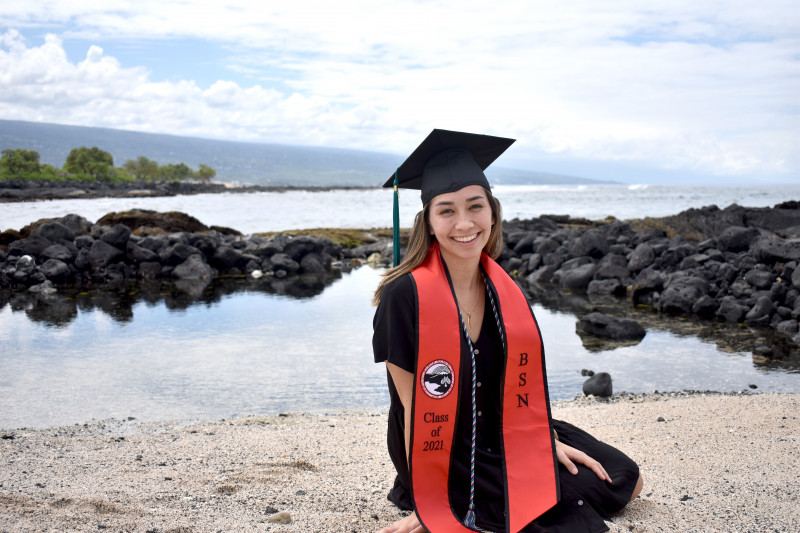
[{"x": 673, "y": 91}]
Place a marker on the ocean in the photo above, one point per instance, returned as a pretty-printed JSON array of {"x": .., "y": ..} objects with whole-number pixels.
[{"x": 372, "y": 208}]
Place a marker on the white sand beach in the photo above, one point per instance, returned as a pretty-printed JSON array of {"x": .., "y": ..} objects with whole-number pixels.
[{"x": 711, "y": 463}]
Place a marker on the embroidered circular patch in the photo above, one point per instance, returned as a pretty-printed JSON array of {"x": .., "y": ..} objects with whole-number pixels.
[{"x": 437, "y": 379}]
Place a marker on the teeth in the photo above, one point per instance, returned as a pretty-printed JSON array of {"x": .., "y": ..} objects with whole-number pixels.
[{"x": 465, "y": 239}]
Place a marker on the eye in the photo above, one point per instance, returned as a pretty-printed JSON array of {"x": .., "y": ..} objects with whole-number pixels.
[{"x": 445, "y": 211}]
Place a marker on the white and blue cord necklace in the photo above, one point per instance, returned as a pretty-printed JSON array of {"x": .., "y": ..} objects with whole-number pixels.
[{"x": 469, "y": 519}]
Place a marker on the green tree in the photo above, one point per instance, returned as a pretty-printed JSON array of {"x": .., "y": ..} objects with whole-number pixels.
[
  {"x": 142, "y": 168},
  {"x": 205, "y": 172},
  {"x": 19, "y": 163},
  {"x": 46, "y": 172},
  {"x": 177, "y": 172},
  {"x": 91, "y": 161}
]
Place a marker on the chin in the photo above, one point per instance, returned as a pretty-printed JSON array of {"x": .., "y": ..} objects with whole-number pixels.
[{"x": 458, "y": 251}]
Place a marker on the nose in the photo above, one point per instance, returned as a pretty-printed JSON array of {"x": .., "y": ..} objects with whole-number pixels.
[{"x": 463, "y": 220}]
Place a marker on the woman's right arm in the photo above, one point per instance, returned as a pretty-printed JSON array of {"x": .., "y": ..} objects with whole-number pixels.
[
  {"x": 404, "y": 384},
  {"x": 394, "y": 340}
]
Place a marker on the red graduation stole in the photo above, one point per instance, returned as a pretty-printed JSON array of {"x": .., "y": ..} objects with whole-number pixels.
[{"x": 530, "y": 465}]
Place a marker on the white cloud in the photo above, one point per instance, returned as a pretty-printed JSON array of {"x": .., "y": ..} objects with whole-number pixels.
[
  {"x": 40, "y": 83},
  {"x": 681, "y": 85}
]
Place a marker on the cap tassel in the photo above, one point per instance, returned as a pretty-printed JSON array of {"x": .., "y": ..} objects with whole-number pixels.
[{"x": 396, "y": 225}]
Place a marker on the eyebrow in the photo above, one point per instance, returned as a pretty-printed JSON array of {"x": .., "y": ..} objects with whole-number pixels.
[{"x": 472, "y": 199}]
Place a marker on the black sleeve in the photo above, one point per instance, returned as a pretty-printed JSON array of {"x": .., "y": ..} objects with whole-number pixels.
[{"x": 394, "y": 336}]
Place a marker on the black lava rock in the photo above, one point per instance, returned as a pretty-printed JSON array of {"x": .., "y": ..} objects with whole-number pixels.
[
  {"x": 598, "y": 385},
  {"x": 607, "y": 327}
]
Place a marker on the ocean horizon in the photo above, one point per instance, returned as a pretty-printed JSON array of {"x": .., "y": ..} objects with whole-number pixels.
[{"x": 372, "y": 207}]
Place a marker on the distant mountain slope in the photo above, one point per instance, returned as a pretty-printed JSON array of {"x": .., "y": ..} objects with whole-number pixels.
[
  {"x": 513, "y": 176},
  {"x": 250, "y": 163}
]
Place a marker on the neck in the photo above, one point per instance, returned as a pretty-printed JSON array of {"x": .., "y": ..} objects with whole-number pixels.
[{"x": 464, "y": 273}]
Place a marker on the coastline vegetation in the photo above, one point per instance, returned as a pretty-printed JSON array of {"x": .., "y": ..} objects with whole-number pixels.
[
  {"x": 346, "y": 237},
  {"x": 94, "y": 164}
]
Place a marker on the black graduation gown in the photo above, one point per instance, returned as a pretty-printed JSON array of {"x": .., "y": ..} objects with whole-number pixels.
[{"x": 585, "y": 500}]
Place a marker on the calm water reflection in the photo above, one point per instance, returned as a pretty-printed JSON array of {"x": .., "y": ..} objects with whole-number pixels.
[{"x": 231, "y": 349}]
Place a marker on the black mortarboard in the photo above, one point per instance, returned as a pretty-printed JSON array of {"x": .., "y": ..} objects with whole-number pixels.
[{"x": 445, "y": 161}]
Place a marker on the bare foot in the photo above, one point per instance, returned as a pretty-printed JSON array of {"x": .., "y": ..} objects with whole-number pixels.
[{"x": 409, "y": 524}]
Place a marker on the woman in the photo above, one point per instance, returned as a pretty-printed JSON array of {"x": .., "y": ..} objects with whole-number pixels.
[{"x": 466, "y": 372}]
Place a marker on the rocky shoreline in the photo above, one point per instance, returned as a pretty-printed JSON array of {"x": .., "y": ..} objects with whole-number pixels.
[
  {"x": 735, "y": 265},
  {"x": 145, "y": 245},
  {"x": 29, "y": 190}
]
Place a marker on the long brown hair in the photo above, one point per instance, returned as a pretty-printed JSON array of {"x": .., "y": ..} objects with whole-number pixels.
[{"x": 421, "y": 239}]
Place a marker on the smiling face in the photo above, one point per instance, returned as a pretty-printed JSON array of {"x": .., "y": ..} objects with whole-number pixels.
[{"x": 461, "y": 221}]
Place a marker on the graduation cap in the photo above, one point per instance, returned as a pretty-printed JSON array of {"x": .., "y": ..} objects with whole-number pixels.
[{"x": 445, "y": 161}]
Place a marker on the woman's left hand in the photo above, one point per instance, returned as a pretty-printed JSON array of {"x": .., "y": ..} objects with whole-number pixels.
[{"x": 568, "y": 456}]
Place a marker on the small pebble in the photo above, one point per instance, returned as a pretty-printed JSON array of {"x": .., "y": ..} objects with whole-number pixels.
[{"x": 282, "y": 517}]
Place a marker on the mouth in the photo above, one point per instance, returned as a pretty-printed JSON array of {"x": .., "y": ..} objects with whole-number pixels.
[{"x": 466, "y": 238}]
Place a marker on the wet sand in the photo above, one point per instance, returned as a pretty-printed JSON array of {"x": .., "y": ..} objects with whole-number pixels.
[{"x": 711, "y": 463}]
